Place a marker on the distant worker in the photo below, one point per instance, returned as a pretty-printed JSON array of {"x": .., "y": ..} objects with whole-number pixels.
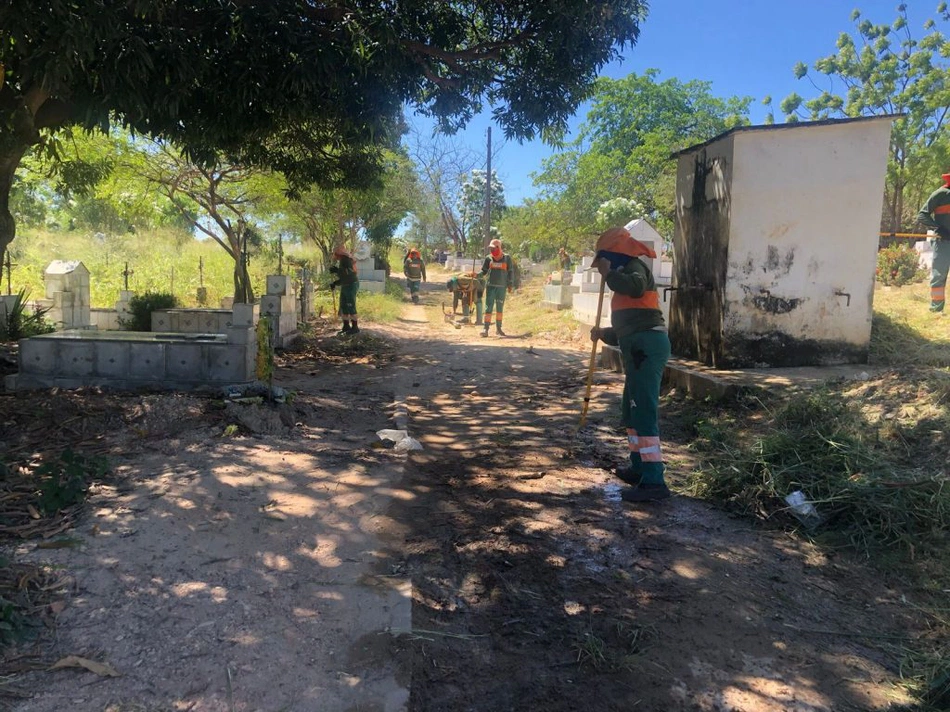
[
  {"x": 502, "y": 274},
  {"x": 348, "y": 282},
  {"x": 935, "y": 216},
  {"x": 638, "y": 328},
  {"x": 415, "y": 270},
  {"x": 564, "y": 260},
  {"x": 467, "y": 289}
]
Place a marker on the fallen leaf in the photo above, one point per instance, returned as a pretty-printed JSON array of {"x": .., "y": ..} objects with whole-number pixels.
[
  {"x": 57, "y": 607},
  {"x": 71, "y": 661},
  {"x": 32, "y": 510}
]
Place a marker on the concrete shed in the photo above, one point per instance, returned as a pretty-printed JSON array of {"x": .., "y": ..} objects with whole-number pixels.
[{"x": 775, "y": 244}]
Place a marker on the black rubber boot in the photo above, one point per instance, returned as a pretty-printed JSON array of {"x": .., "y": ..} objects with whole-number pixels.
[{"x": 646, "y": 493}]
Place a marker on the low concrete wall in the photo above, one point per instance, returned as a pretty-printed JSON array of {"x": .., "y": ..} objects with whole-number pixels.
[
  {"x": 128, "y": 359},
  {"x": 104, "y": 319}
]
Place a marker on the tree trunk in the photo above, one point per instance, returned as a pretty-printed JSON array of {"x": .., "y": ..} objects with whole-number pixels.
[
  {"x": 9, "y": 161},
  {"x": 243, "y": 292}
]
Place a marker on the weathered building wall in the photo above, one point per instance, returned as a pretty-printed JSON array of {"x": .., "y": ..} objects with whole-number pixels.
[
  {"x": 804, "y": 236},
  {"x": 781, "y": 222},
  {"x": 700, "y": 251}
]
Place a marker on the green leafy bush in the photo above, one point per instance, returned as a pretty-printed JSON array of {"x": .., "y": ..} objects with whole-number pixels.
[
  {"x": 898, "y": 265},
  {"x": 141, "y": 307},
  {"x": 21, "y": 322},
  {"x": 63, "y": 482}
]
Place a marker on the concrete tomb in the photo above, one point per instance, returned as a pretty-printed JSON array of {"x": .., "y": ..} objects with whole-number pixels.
[
  {"x": 775, "y": 244},
  {"x": 67, "y": 294}
]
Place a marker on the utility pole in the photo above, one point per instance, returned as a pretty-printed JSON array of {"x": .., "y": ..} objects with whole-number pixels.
[{"x": 488, "y": 194}]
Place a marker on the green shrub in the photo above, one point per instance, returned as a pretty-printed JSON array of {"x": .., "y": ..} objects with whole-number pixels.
[
  {"x": 141, "y": 307},
  {"x": 898, "y": 265},
  {"x": 21, "y": 322},
  {"x": 63, "y": 482}
]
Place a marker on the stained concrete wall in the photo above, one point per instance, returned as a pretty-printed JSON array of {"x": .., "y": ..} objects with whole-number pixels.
[
  {"x": 122, "y": 359},
  {"x": 780, "y": 223},
  {"x": 700, "y": 251}
]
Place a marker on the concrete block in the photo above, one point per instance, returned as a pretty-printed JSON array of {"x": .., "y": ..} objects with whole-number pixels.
[
  {"x": 240, "y": 335},
  {"x": 112, "y": 359},
  {"x": 186, "y": 362},
  {"x": 76, "y": 358},
  {"x": 187, "y": 323},
  {"x": 270, "y": 305},
  {"x": 161, "y": 320},
  {"x": 227, "y": 363},
  {"x": 10, "y": 382},
  {"x": 280, "y": 285},
  {"x": 146, "y": 361},
  {"x": 245, "y": 314},
  {"x": 37, "y": 356},
  {"x": 374, "y": 287}
]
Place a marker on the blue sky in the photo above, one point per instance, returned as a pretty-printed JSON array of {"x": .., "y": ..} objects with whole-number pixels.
[{"x": 744, "y": 47}]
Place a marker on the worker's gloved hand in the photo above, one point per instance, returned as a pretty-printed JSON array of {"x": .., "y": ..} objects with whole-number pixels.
[
  {"x": 334, "y": 284},
  {"x": 335, "y": 269},
  {"x": 944, "y": 233},
  {"x": 596, "y": 333}
]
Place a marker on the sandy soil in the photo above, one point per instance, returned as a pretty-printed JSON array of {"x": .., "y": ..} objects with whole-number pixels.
[{"x": 300, "y": 565}]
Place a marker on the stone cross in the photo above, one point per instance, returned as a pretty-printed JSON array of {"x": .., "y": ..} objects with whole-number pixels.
[
  {"x": 280, "y": 253},
  {"x": 126, "y": 273}
]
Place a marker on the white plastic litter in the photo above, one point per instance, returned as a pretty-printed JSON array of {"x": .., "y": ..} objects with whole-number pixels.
[
  {"x": 803, "y": 510},
  {"x": 403, "y": 442}
]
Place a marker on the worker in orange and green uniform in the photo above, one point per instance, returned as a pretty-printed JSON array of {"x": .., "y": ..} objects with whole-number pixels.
[
  {"x": 502, "y": 278},
  {"x": 467, "y": 288},
  {"x": 935, "y": 215},
  {"x": 415, "y": 270},
  {"x": 349, "y": 283},
  {"x": 638, "y": 328}
]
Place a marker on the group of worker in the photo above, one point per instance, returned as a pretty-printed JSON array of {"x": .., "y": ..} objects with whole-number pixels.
[
  {"x": 498, "y": 277},
  {"x": 637, "y": 327}
]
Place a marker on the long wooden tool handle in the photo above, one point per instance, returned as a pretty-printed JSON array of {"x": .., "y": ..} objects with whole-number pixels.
[{"x": 593, "y": 357}]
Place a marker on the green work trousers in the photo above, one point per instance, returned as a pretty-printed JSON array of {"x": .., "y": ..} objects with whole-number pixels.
[
  {"x": 495, "y": 305},
  {"x": 938, "y": 274},
  {"x": 348, "y": 300},
  {"x": 645, "y": 354}
]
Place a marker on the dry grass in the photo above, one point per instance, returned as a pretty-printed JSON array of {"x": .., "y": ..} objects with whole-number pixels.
[{"x": 905, "y": 332}]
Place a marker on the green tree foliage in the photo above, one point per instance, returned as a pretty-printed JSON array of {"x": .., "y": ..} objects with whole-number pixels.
[
  {"x": 224, "y": 193},
  {"x": 885, "y": 70},
  {"x": 326, "y": 218},
  {"x": 308, "y": 89},
  {"x": 623, "y": 147},
  {"x": 471, "y": 208},
  {"x": 618, "y": 211}
]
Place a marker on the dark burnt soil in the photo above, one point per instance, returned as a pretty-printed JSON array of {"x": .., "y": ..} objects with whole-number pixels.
[{"x": 537, "y": 588}]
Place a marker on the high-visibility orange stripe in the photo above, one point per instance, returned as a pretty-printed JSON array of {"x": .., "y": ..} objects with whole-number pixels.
[
  {"x": 650, "y": 449},
  {"x": 500, "y": 265},
  {"x": 649, "y": 300},
  {"x": 498, "y": 315},
  {"x": 633, "y": 442},
  {"x": 942, "y": 209},
  {"x": 938, "y": 294}
]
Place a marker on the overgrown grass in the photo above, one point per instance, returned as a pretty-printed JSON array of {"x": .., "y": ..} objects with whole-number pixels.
[
  {"x": 162, "y": 261},
  {"x": 871, "y": 456},
  {"x": 905, "y": 332}
]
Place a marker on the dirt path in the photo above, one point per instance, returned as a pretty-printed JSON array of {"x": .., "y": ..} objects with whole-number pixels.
[{"x": 275, "y": 571}]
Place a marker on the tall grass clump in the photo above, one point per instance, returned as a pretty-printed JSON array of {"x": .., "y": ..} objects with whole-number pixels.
[{"x": 861, "y": 481}]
